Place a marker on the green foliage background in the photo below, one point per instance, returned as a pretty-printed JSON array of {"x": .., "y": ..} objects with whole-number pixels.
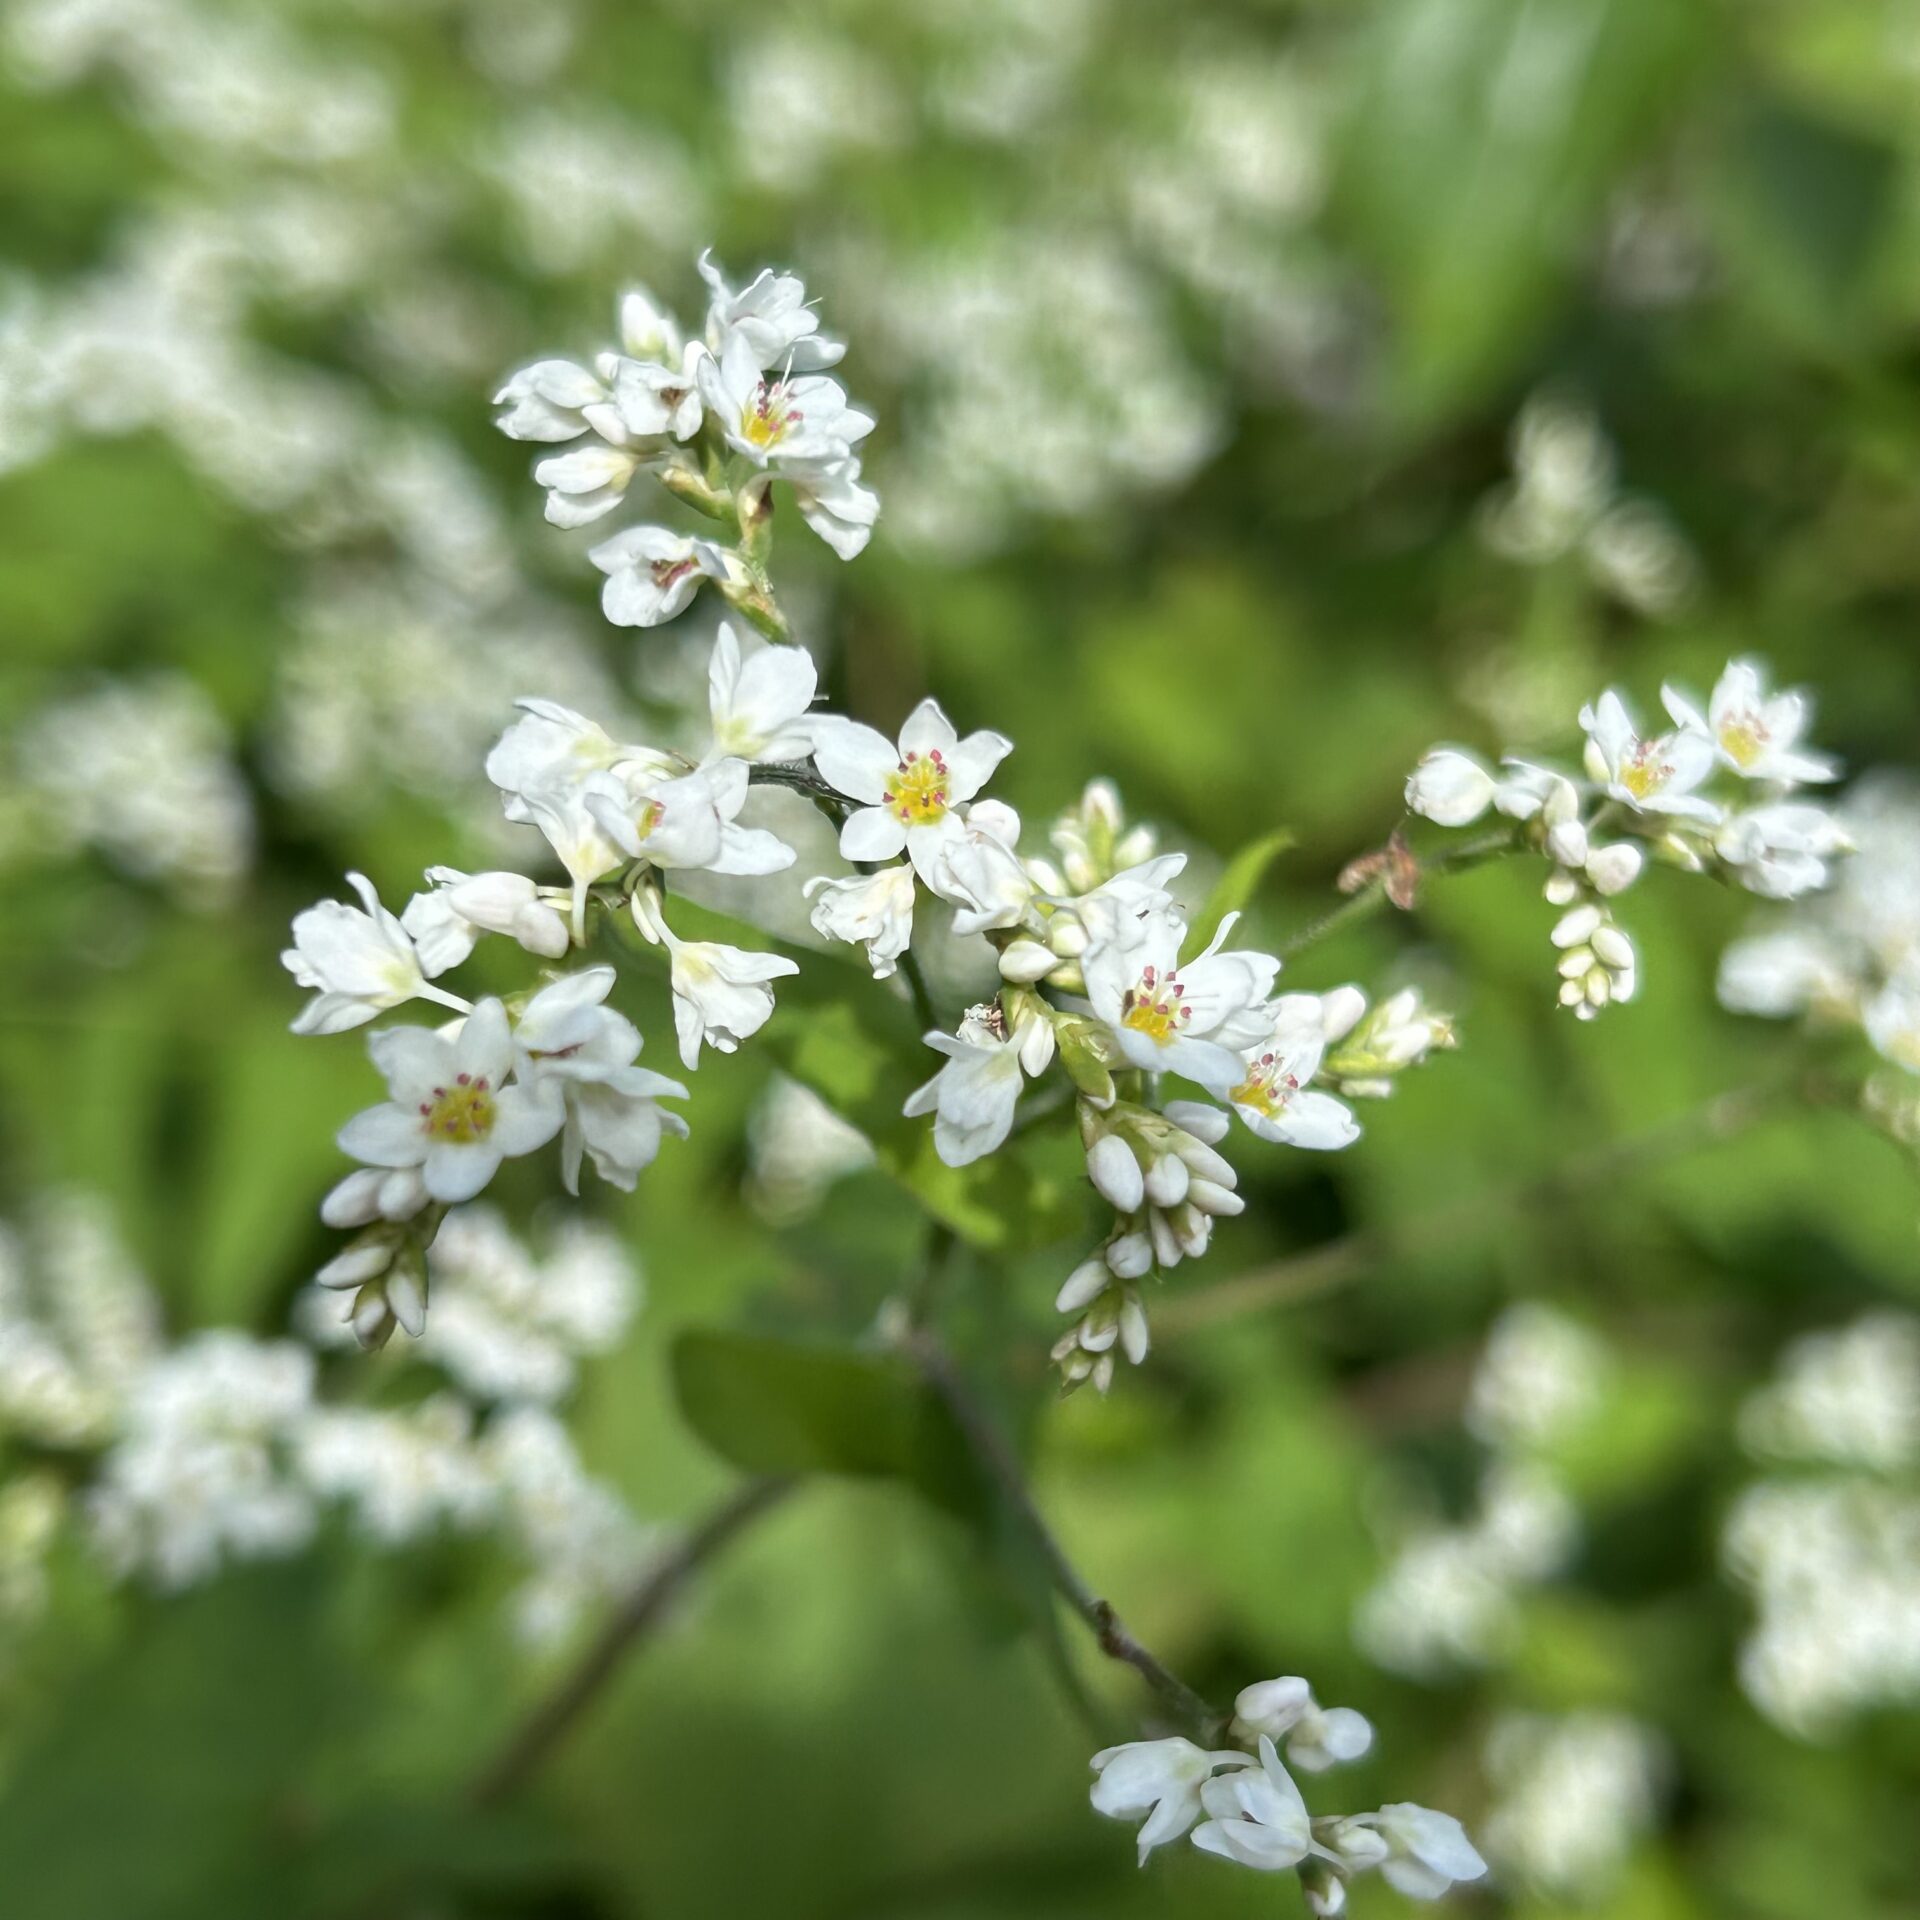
[{"x": 849, "y": 1720}]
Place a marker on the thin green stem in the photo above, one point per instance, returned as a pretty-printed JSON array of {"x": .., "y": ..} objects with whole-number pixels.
[{"x": 1371, "y": 896}]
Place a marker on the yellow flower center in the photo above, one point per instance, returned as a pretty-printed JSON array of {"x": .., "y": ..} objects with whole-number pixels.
[
  {"x": 1156, "y": 1006},
  {"x": 770, "y": 416},
  {"x": 1265, "y": 1089},
  {"x": 461, "y": 1113},
  {"x": 1643, "y": 771},
  {"x": 1743, "y": 737},
  {"x": 917, "y": 793}
]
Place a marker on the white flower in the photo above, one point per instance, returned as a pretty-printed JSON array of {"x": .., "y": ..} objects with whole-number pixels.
[
  {"x": 1781, "y": 850},
  {"x": 446, "y": 923},
  {"x": 1755, "y": 734},
  {"x": 1256, "y": 1817},
  {"x": 973, "y": 1096},
  {"x": 720, "y": 993},
  {"x": 451, "y": 1115},
  {"x": 910, "y": 792},
  {"x": 550, "y": 400},
  {"x": 759, "y": 702},
  {"x": 1779, "y": 974},
  {"x": 659, "y": 398},
  {"x": 355, "y": 963},
  {"x": 584, "y": 484},
  {"x": 1526, "y": 792},
  {"x": 771, "y": 316},
  {"x": 871, "y": 908},
  {"x": 772, "y": 420},
  {"x": 1273, "y": 1094},
  {"x": 652, "y": 574},
  {"x": 1427, "y": 1851},
  {"x": 1317, "y": 1737},
  {"x": 685, "y": 822},
  {"x": 833, "y": 502},
  {"x": 1450, "y": 787},
  {"x": 567, "y": 1037},
  {"x": 978, "y": 871},
  {"x": 1157, "y": 1782},
  {"x": 1654, "y": 775},
  {"x": 1892, "y": 1020},
  {"x": 1188, "y": 1019}
]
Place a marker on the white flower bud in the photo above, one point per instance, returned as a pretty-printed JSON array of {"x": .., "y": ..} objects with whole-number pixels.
[
  {"x": 1067, "y": 936},
  {"x": 1209, "y": 1197},
  {"x": 365, "y": 1260},
  {"x": 1085, "y": 1284},
  {"x": 408, "y": 1300},
  {"x": 1129, "y": 1255},
  {"x": 1449, "y": 787},
  {"x": 1575, "y": 928},
  {"x": 1562, "y": 889},
  {"x": 1614, "y": 869},
  {"x": 1133, "y": 1328},
  {"x": 1024, "y": 961},
  {"x": 1167, "y": 1180},
  {"x": 1208, "y": 1124},
  {"x": 1112, "y": 1168},
  {"x": 355, "y": 1202},
  {"x": 1612, "y": 948},
  {"x": 1167, "y": 1247},
  {"x": 1567, "y": 842},
  {"x": 1341, "y": 1011}
]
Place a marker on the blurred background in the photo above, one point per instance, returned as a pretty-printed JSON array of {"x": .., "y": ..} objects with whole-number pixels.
[{"x": 1265, "y": 391}]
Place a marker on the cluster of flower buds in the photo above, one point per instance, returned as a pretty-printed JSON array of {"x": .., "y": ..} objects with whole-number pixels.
[
  {"x": 1714, "y": 794},
  {"x": 1241, "y": 1804}
]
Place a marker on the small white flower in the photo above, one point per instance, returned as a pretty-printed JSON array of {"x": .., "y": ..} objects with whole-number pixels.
[
  {"x": 833, "y": 502},
  {"x": 720, "y": 993},
  {"x": 549, "y": 401},
  {"x": 451, "y": 1115},
  {"x": 909, "y": 793},
  {"x": 1274, "y": 1095},
  {"x": 973, "y": 1096},
  {"x": 585, "y": 484},
  {"x": 446, "y": 922},
  {"x": 759, "y": 701},
  {"x": 771, "y": 315},
  {"x": 1256, "y": 1817},
  {"x": 356, "y": 963},
  {"x": 1780, "y": 851},
  {"x": 1188, "y": 1018},
  {"x": 1427, "y": 1851},
  {"x": 980, "y": 874},
  {"x": 1653, "y": 775},
  {"x": 874, "y": 909},
  {"x": 1158, "y": 1783},
  {"x": 659, "y": 399},
  {"x": 685, "y": 822},
  {"x": 772, "y": 420},
  {"x": 652, "y": 574},
  {"x": 568, "y": 1039},
  {"x": 1526, "y": 792},
  {"x": 1317, "y": 1737},
  {"x": 1450, "y": 787},
  {"x": 1754, "y": 733}
]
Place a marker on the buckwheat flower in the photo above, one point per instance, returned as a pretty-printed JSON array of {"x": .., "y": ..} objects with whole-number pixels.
[
  {"x": 1187, "y": 1018},
  {"x": 447, "y": 922},
  {"x": 1653, "y": 775},
  {"x": 1892, "y": 1020},
  {"x": 771, "y": 316},
  {"x": 720, "y": 993},
  {"x": 570, "y": 1041},
  {"x": 1451, "y": 787},
  {"x": 1118, "y": 907},
  {"x": 652, "y": 574},
  {"x": 451, "y": 1113},
  {"x": 1780, "y": 851},
  {"x": 767, "y": 417},
  {"x": 833, "y": 502},
  {"x": 874, "y": 910},
  {"x": 1317, "y": 1737},
  {"x": 1256, "y": 1817},
  {"x": 1756, "y": 734},
  {"x": 973, "y": 1096},
  {"x": 356, "y": 963},
  {"x": 684, "y": 822},
  {"x": 1272, "y": 1092},
  {"x": 1526, "y": 791},
  {"x": 549, "y": 401},
  {"x": 1428, "y": 1852},
  {"x": 1158, "y": 1783},
  {"x": 980, "y": 874},
  {"x": 759, "y": 701},
  {"x": 585, "y": 484},
  {"x": 659, "y": 399},
  {"x": 909, "y": 793}
]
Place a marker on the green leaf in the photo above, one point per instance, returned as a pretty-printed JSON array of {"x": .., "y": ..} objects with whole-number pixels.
[
  {"x": 783, "y": 1406},
  {"x": 1236, "y": 887}
]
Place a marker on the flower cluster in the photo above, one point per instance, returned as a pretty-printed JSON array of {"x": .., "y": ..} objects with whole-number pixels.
[
  {"x": 717, "y": 419},
  {"x": 1716, "y": 792},
  {"x": 1241, "y": 1804}
]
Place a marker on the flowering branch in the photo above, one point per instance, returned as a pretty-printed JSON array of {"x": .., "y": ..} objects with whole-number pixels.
[{"x": 645, "y": 1608}]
